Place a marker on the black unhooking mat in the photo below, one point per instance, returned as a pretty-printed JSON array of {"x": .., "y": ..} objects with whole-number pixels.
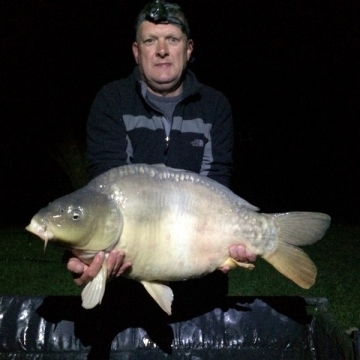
[{"x": 57, "y": 327}]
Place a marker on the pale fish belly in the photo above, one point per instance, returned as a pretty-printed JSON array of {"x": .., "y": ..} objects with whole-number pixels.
[{"x": 177, "y": 234}]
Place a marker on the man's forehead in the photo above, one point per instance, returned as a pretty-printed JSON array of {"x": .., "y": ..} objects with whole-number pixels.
[{"x": 150, "y": 28}]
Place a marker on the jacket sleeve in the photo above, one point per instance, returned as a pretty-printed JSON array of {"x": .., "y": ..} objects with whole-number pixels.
[
  {"x": 106, "y": 133},
  {"x": 217, "y": 161}
]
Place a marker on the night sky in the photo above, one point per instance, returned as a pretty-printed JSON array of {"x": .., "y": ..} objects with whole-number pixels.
[{"x": 289, "y": 68}]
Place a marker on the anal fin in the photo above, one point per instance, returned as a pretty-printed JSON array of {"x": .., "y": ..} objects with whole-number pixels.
[
  {"x": 161, "y": 293},
  {"x": 95, "y": 289}
]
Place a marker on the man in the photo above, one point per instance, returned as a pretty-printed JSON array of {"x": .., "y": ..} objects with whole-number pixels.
[{"x": 159, "y": 114}]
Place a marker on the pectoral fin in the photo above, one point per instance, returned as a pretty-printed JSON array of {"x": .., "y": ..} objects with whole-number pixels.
[
  {"x": 94, "y": 290},
  {"x": 161, "y": 293},
  {"x": 233, "y": 264}
]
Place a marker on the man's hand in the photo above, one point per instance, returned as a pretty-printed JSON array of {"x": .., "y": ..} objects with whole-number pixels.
[
  {"x": 241, "y": 254},
  {"x": 84, "y": 273}
]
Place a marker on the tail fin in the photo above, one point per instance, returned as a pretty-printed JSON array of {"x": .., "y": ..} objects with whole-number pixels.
[{"x": 297, "y": 229}]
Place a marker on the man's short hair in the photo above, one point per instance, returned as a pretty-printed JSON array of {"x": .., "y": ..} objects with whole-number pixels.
[{"x": 162, "y": 12}]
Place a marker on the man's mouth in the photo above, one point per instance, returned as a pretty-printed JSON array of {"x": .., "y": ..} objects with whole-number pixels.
[{"x": 163, "y": 64}]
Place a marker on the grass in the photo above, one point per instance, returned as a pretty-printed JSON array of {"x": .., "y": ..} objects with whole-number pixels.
[{"x": 26, "y": 270}]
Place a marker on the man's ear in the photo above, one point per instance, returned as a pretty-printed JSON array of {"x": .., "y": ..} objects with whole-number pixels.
[
  {"x": 190, "y": 48},
  {"x": 135, "y": 50}
]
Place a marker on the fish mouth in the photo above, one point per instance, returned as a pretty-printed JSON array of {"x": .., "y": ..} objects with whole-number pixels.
[{"x": 41, "y": 230}]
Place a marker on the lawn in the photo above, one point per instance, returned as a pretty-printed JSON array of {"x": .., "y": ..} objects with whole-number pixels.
[{"x": 25, "y": 269}]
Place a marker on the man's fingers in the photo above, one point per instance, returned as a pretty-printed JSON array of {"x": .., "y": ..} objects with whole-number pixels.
[
  {"x": 241, "y": 254},
  {"x": 251, "y": 256},
  {"x": 75, "y": 266},
  {"x": 95, "y": 266},
  {"x": 124, "y": 267},
  {"x": 90, "y": 271},
  {"x": 225, "y": 269},
  {"x": 84, "y": 273},
  {"x": 115, "y": 263}
]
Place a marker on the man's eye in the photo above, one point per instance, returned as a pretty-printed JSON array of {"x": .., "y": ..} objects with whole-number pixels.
[
  {"x": 174, "y": 40},
  {"x": 148, "y": 41}
]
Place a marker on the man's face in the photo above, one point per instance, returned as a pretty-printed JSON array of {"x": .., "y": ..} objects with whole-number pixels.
[{"x": 162, "y": 52}]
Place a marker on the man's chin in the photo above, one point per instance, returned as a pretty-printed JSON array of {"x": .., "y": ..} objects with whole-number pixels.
[{"x": 164, "y": 87}]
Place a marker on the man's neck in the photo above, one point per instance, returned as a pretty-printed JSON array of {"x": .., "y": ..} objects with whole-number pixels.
[{"x": 167, "y": 93}]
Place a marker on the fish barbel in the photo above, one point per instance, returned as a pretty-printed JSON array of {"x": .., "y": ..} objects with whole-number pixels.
[{"x": 173, "y": 225}]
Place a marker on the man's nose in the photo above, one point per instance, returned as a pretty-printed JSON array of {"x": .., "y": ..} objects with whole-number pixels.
[{"x": 162, "y": 49}]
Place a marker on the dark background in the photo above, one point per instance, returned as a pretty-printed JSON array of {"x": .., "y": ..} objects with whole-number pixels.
[{"x": 289, "y": 68}]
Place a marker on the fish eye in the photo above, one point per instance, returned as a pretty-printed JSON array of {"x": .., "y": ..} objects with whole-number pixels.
[{"x": 76, "y": 214}]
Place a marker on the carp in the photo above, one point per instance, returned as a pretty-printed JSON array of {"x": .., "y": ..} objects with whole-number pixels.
[{"x": 173, "y": 225}]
